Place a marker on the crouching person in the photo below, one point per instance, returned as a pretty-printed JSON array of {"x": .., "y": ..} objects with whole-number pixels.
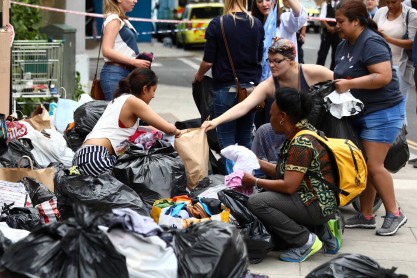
[
  {"x": 296, "y": 201},
  {"x": 119, "y": 121}
]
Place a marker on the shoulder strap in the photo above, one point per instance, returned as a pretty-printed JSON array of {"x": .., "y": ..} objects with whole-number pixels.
[
  {"x": 99, "y": 50},
  {"x": 276, "y": 82},
  {"x": 322, "y": 140},
  {"x": 406, "y": 21},
  {"x": 228, "y": 55}
]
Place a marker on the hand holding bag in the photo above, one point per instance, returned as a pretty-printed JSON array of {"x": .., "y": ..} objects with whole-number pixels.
[
  {"x": 193, "y": 149},
  {"x": 241, "y": 93},
  {"x": 96, "y": 91}
]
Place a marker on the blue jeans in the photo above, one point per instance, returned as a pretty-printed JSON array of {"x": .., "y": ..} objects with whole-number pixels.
[
  {"x": 238, "y": 131},
  {"x": 109, "y": 79}
]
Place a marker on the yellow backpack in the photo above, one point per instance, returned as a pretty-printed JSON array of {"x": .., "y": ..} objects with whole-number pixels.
[{"x": 349, "y": 167}]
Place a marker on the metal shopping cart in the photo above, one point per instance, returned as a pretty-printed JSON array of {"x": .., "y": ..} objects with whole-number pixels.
[{"x": 36, "y": 69}]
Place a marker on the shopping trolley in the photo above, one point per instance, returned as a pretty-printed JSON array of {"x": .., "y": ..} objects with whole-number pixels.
[{"x": 37, "y": 68}]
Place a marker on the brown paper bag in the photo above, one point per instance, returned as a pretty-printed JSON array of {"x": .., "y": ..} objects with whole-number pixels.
[
  {"x": 40, "y": 119},
  {"x": 193, "y": 149},
  {"x": 45, "y": 176}
]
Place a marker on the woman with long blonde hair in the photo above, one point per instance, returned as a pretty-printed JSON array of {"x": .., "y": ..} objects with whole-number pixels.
[
  {"x": 244, "y": 35},
  {"x": 119, "y": 45}
]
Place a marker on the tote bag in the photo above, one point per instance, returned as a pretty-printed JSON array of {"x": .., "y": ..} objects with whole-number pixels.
[{"x": 45, "y": 175}]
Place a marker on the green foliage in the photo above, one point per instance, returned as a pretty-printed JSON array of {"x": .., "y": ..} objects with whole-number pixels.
[
  {"x": 27, "y": 21},
  {"x": 78, "y": 90}
]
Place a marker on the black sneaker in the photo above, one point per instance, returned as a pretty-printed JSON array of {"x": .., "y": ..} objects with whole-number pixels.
[
  {"x": 391, "y": 224},
  {"x": 358, "y": 221}
]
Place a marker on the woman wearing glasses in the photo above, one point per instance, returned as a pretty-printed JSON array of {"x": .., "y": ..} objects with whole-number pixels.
[
  {"x": 286, "y": 72},
  {"x": 288, "y": 21},
  {"x": 244, "y": 35}
]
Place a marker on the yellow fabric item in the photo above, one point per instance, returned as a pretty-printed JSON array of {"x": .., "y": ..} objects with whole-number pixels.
[
  {"x": 351, "y": 170},
  {"x": 156, "y": 211}
]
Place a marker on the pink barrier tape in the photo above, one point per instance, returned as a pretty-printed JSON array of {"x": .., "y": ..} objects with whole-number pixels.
[{"x": 130, "y": 18}]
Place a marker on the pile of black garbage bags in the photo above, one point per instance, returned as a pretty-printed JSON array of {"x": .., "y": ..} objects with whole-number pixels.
[{"x": 101, "y": 226}]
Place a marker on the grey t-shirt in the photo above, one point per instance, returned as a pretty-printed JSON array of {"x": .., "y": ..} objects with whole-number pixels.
[{"x": 352, "y": 62}]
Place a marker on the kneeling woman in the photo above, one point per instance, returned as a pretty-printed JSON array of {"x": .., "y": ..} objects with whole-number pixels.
[
  {"x": 295, "y": 199},
  {"x": 119, "y": 121}
]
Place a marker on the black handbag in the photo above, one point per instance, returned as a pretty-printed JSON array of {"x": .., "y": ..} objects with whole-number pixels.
[{"x": 398, "y": 154}]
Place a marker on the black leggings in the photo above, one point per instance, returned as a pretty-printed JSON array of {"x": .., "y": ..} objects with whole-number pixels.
[{"x": 285, "y": 216}]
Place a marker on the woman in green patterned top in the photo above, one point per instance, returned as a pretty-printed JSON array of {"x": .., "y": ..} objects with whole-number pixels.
[{"x": 296, "y": 201}]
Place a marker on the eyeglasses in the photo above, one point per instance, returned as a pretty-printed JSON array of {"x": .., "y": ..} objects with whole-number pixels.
[{"x": 275, "y": 61}]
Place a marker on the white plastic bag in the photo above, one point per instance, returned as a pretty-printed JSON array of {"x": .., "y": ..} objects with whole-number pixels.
[
  {"x": 146, "y": 257},
  {"x": 245, "y": 160},
  {"x": 53, "y": 149}
]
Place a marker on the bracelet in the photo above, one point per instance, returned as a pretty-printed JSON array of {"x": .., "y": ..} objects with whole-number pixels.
[{"x": 256, "y": 182}]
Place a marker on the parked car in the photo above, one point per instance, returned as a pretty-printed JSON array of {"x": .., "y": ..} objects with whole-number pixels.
[
  {"x": 200, "y": 15},
  {"x": 312, "y": 11}
]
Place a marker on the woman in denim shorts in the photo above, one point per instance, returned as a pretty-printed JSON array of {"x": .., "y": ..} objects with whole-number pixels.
[{"x": 364, "y": 66}]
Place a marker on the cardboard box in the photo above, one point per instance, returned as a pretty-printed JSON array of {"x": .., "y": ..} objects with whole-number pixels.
[{"x": 5, "y": 93}]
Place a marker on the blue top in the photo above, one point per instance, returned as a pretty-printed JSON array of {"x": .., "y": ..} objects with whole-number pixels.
[
  {"x": 352, "y": 61},
  {"x": 245, "y": 44}
]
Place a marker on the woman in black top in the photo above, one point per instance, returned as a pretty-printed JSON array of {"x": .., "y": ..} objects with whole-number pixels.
[{"x": 244, "y": 35}]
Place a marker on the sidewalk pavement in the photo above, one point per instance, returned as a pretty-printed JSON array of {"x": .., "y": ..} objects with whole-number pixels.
[{"x": 176, "y": 103}]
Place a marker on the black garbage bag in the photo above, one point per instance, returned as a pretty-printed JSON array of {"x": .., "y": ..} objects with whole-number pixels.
[
  {"x": 95, "y": 192},
  {"x": 352, "y": 265},
  {"x": 258, "y": 240},
  {"x": 17, "y": 148},
  {"x": 203, "y": 99},
  {"x": 398, "y": 154},
  {"x": 153, "y": 174},
  {"x": 38, "y": 192},
  {"x": 338, "y": 128},
  {"x": 73, "y": 248},
  {"x": 318, "y": 92},
  {"x": 74, "y": 138},
  {"x": 210, "y": 249},
  {"x": 87, "y": 115},
  {"x": 5, "y": 243},
  {"x": 21, "y": 217}
]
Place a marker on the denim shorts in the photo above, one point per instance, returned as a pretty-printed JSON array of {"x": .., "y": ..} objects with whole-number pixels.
[
  {"x": 109, "y": 79},
  {"x": 381, "y": 126}
]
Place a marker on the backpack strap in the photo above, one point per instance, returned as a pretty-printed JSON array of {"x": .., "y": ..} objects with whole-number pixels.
[{"x": 331, "y": 186}]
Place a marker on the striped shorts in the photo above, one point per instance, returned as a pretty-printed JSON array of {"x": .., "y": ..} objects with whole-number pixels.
[{"x": 93, "y": 160}]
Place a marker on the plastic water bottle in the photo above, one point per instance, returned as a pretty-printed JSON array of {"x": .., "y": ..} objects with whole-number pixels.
[{"x": 53, "y": 90}]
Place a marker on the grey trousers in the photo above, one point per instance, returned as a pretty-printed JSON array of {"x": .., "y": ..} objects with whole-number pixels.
[{"x": 286, "y": 216}]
